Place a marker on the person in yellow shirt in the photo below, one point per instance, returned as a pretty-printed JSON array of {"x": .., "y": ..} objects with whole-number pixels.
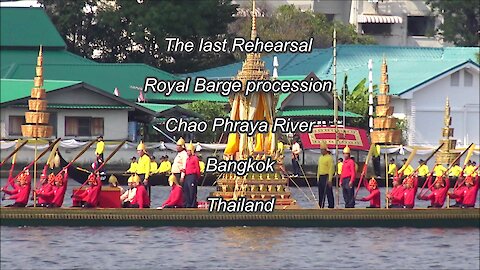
[
  {"x": 153, "y": 165},
  {"x": 455, "y": 172},
  {"x": 100, "y": 148},
  {"x": 406, "y": 170},
  {"x": 423, "y": 169},
  {"x": 165, "y": 165},
  {"x": 470, "y": 169},
  {"x": 439, "y": 169},
  {"x": 143, "y": 166},
  {"x": 133, "y": 165},
  {"x": 339, "y": 166},
  {"x": 325, "y": 173},
  {"x": 201, "y": 164},
  {"x": 392, "y": 168}
]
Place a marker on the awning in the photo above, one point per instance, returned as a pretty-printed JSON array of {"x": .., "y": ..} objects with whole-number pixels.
[
  {"x": 379, "y": 19},
  {"x": 355, "y": 138}
]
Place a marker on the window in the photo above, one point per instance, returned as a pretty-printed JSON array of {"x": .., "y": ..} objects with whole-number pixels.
[
  {"x": 420, "y": 26},
  {"x": 377, "y": 28},
  {"x": 467, "y": 78},
  {"x": 83, "y": 126},
  {"x": 15, "y": 123},
  {"x": 455, "y": 79}
]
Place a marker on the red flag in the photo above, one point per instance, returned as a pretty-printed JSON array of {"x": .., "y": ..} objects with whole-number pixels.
[
  {"x": 140, "y": 97},
  {"x": 116, "y": 93}
]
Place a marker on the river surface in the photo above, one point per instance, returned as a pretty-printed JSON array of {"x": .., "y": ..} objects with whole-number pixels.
[{"x": 238, "y": 247}]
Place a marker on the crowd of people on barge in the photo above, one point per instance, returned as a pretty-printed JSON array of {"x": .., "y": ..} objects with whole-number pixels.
[
  {"x": 185, "y": 172},
  {"x": 404, "y": 192}
]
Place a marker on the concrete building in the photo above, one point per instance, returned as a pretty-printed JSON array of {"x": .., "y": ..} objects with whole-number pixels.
[{"x": 397, "y": 22}]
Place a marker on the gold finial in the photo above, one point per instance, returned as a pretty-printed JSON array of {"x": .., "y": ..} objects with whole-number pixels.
[
  {"x": 254, "y": 22},
  {"x": 447, "y": 120}
]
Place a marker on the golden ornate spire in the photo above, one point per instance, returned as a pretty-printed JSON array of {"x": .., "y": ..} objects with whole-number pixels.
[
  {"x": 384, "y": 87},
  {"x": 37, "y": 117},
  {"x": 447, "y": 120}
]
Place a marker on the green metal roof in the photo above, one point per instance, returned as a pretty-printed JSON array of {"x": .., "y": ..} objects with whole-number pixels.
[
  {"x": 156, "y": 107},
  {"x": 27, "y": 27},
  {"x": 18, "y": 89},
  {"x": 308, "y": 111},
  {"x": 353, "y": 60},
  {"x": 110, "y": 76}
]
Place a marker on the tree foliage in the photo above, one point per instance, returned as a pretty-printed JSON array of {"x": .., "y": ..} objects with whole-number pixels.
[
  {"x": 209, "y": 110},
  {"x": 127, "y": 31},
  {"x": 357, "y": 102},
  {"x": 461, "y": 20},
  {"x": 290, "y": 23}
]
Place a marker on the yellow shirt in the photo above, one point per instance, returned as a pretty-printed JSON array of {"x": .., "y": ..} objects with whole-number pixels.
[
  {"x": 100, "y": 147},
  {"x": 202, "y": 166},
  {"x": 439, "y": 170},
  {"x": 325, "y": 166},
  {"x": 133, "y": 167},
  {"x": 423, "y": 170},
  {"x": 143, "y": 166},
  {"x": 153, "y": 166},
  {"x": 455, "y": 171},
  {"x": 339, "y": 168},
  {"x": 165, "y": 167},
  {"x": 392, "y": 168},
  {"x": 407, "y": 170},
  {"x": 280, "y": 148}
]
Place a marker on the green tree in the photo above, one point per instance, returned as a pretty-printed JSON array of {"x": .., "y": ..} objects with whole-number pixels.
[
  {"x": 290, "y": 23},
  {"x": 357, "y": 102},
  {"x": 209, "y": 110},
  {"x": 128, "y": 31},
  {"x": 461, "y": 20}
]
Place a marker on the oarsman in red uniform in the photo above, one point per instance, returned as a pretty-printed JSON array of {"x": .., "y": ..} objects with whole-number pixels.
[
  {"x": 396, "y": 200},
  {"x": 141, "y": 199},
  {"x": 88, "y": 198},
  {"x": 45, "y": 192},
  {"x": 347, "y": 178},
  {"x": 458, "y": 195},
  {"x": 374, "y": 196},
  {"x": 469, "y": 192},
  {"x": 61, "y": 180},
  {"x": 21, "y": 191},
  {"x": 175, "y": 199},
  {"x": 409, "y": 192},
  {"x": 438, "y": 192},
  {"x": 192, "y": 174}
]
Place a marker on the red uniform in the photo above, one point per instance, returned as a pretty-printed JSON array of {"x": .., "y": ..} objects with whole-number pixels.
[
  {"x": 192, "y": 166},
  {"x": 90, "y": 195},
  {"x": 458, "y": 194},
  {"x": 59, "y": 191},
  {"x": 176, "y": 197},
  {"x": 20, "y": 193},
  {"x": 45, "y": 194},
  {"x": 348, "y": 170},
  {"x": 470, "y": 195},
  {"x": 141, "y": 197},
  {"x": 408, "y": 195},
  {"x": 373, "y": 197},
  {"x": 437, "y": 196},
  {"x": 397, "y": 195}
]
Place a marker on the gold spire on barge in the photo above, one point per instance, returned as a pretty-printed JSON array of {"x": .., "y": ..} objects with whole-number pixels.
[
  {"x": 37, "y": 118},
  {"x": 255, "y": 107},
  {"x": 385, "y": 129},
  {"x": 447, "y": 153}
]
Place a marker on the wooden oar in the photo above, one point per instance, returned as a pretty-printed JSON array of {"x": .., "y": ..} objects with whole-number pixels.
[
  {"x": 465, "y": 178},
  {"x": 430, "y": 157},
  {"x": 105, "y": 162},
  {"x": 449, "y": 167},
  {"x": 38, "y": 157},
  {"x": 467, "y": 158},
  {"x": 364, "y": 170},
  {"x": 80, "y": 154},
  {"x": 409, "y": 159},
  {"x": 14, "y": 152}
]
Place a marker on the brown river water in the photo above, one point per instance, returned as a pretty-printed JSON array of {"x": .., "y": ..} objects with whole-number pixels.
[{"x": 238, "y": 247}]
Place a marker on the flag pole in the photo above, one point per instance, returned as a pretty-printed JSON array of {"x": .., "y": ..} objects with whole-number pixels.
[{"x": 335, "y": 110}]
